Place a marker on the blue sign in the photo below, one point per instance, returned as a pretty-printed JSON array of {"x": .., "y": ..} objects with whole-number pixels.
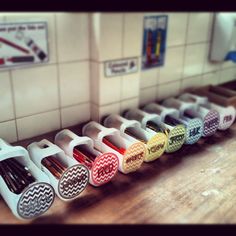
[{"x": 154, "y": 41}]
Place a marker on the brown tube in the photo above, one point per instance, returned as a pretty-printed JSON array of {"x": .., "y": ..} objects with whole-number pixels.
[
  {"x": 130, "y": 132},
  {"x": 84, "y": 156}
]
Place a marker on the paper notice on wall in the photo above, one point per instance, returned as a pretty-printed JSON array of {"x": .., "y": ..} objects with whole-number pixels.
[
  {"x": 23, "y": 43},
  {"x": 121, "y": 67}
]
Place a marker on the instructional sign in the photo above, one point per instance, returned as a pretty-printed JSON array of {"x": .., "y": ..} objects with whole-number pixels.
[
  {"x": 154, "y": 41},
  {"x": 121, "y": 67},
  {"x": 23, "y": 43}
]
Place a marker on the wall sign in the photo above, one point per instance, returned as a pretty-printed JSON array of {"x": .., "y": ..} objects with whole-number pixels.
[
  {"x": 23, "y": 43},
  {"x": 120, "y": 67},
  {"x": 154, "y": 41}
]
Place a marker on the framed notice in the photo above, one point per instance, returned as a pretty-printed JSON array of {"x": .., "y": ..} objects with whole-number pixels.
[
  {"x": 23, "y": 43},
  {"x": 154, "y": 41}
]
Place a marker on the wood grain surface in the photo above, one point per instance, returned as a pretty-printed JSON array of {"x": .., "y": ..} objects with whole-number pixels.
[{"x": 194, "y": 185}]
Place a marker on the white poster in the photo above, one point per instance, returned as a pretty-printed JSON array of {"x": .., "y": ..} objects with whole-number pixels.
[
  {"x": 23, "y": 43},
  {"x": 121, "y": 67}
]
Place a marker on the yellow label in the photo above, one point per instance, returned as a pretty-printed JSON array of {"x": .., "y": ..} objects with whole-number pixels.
[
  {"x": 133, "y": 157},
  {"x": 155, "y": 147}
]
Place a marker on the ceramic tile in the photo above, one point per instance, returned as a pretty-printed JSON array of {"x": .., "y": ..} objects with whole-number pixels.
[{"x": 8, "y": 131}]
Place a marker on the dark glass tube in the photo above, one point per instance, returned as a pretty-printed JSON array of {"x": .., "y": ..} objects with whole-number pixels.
[
  {"x": 130, "y": 132},
  {"x": 54, "y": 166},
  {"x": 84, "y": 156},
  {"x": 112, "y": 145}
]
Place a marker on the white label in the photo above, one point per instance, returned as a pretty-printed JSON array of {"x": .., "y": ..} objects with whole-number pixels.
[
  {"x": 120, "y": 67},
  {"x": 23, "y": 43}
]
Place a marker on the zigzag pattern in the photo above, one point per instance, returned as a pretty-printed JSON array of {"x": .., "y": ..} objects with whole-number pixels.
[
  {"x": 36, "y": 200},
  {"x": 73, "y": 181},
  {"x": 177, "y": 130},
  {"x": 156, "y": 140},
  {"x": 100, "y": 165},
  {"x": 212, "y": 115},
  {"x": 134, "y": 150}
]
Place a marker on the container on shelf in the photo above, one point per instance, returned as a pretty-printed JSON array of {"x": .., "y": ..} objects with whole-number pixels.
[
  {"x": 131, "y": 129},
  {"x": 130, "y": 154},
  {"x": 210, "y": 117},
  {"x": 36, "y": 195},
  {"x": 67, "y": 177},
  {"x": 194, "y": 127},
  {"x": 102, "y": 166},
  {"x": 227, "y": 112},
  {"x": 154, "y": 123}
]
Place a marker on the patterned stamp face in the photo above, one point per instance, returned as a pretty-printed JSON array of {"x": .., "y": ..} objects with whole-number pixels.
[
  {"x": 104, "y": 168},
  {"x": 211, "y": 123},
  {"x": 226, "y": 119},
  {"x": 155, "y": 147},
  {"x": 176, "y": 138},
  {"x": 35, "y": 200},
  {"x": 194, "y": 130},
  {"x": 133, "y": 157},
  {"x": 73, "y": 181}
]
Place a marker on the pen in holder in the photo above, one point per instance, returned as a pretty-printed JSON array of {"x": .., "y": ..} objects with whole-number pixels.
[
  {"x": 153, "y": 123},
  {"x": 130, "y": 154},
  {"x": 210, "y": 117},
  {"x": 169, "y": 117},
  {"x": 102, "y": 166},
  {"x": 67, "y": 177},
  {"x": 194, "y": 127},
  {"x": 23, "y": 186},
  {"x": 227, "y": 114},
  {"x": 132, "y": 130}
]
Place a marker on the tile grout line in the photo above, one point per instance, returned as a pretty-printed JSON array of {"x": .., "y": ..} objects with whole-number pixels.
[
  {"x": 58, "y": 72},
  {"x": 13, "y": 103},
  {"x": 185, "y": 50}
]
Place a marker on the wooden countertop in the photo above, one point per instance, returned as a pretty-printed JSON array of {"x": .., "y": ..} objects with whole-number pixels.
[{"x": 194, "y": 185}]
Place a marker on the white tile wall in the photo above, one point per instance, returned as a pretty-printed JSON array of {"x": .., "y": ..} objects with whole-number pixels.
[
  {"x": 129, "y": 104},
  {"x": 192, "y": 82},
  {"x": 132, "y": 42},
  {"x": 227, "y": 75},
  {"x": 173, "y": 68},
  {"x": 109, "y": 38},
  {"x": 35, "y": 89},
  {"x": 130, "y": 86},
  {"x": 72, "y": 36},
  {"x": 74, "y": 81},
  {"x": 6, "y": 103},
  {"x": 208, "y": 65},
  {"x": 75, "y": 114},
  {"x": 168, "y": 90},
  {"x": 98, "y": 112},
  {"x": 211, "y": 78},
  {"x": 38, "y": 124},
  {"x": 8, "y": 131},
  {"x": 198, "y": 27},
  {"x": 194, "y": 59},
  {"x": 177, "y": 26},
  {"x": 149, "y": 77},
  {"x": 148, "y": 95},
  {"x": 109, "y": 88}
]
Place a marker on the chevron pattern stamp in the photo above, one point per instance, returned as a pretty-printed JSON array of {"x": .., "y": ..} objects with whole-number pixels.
[
  {"x": 211, "y": 123},
  {"x": 73, "y": 181},
  {"x": 104, "y": 168},
  {"x": 155, "y": 147},
  {"x": 176, "y": 138},
  {"x": 134, "y": 157},
  {"x": 194, "y": 130},
  {"x": 35, "y": 200}
]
